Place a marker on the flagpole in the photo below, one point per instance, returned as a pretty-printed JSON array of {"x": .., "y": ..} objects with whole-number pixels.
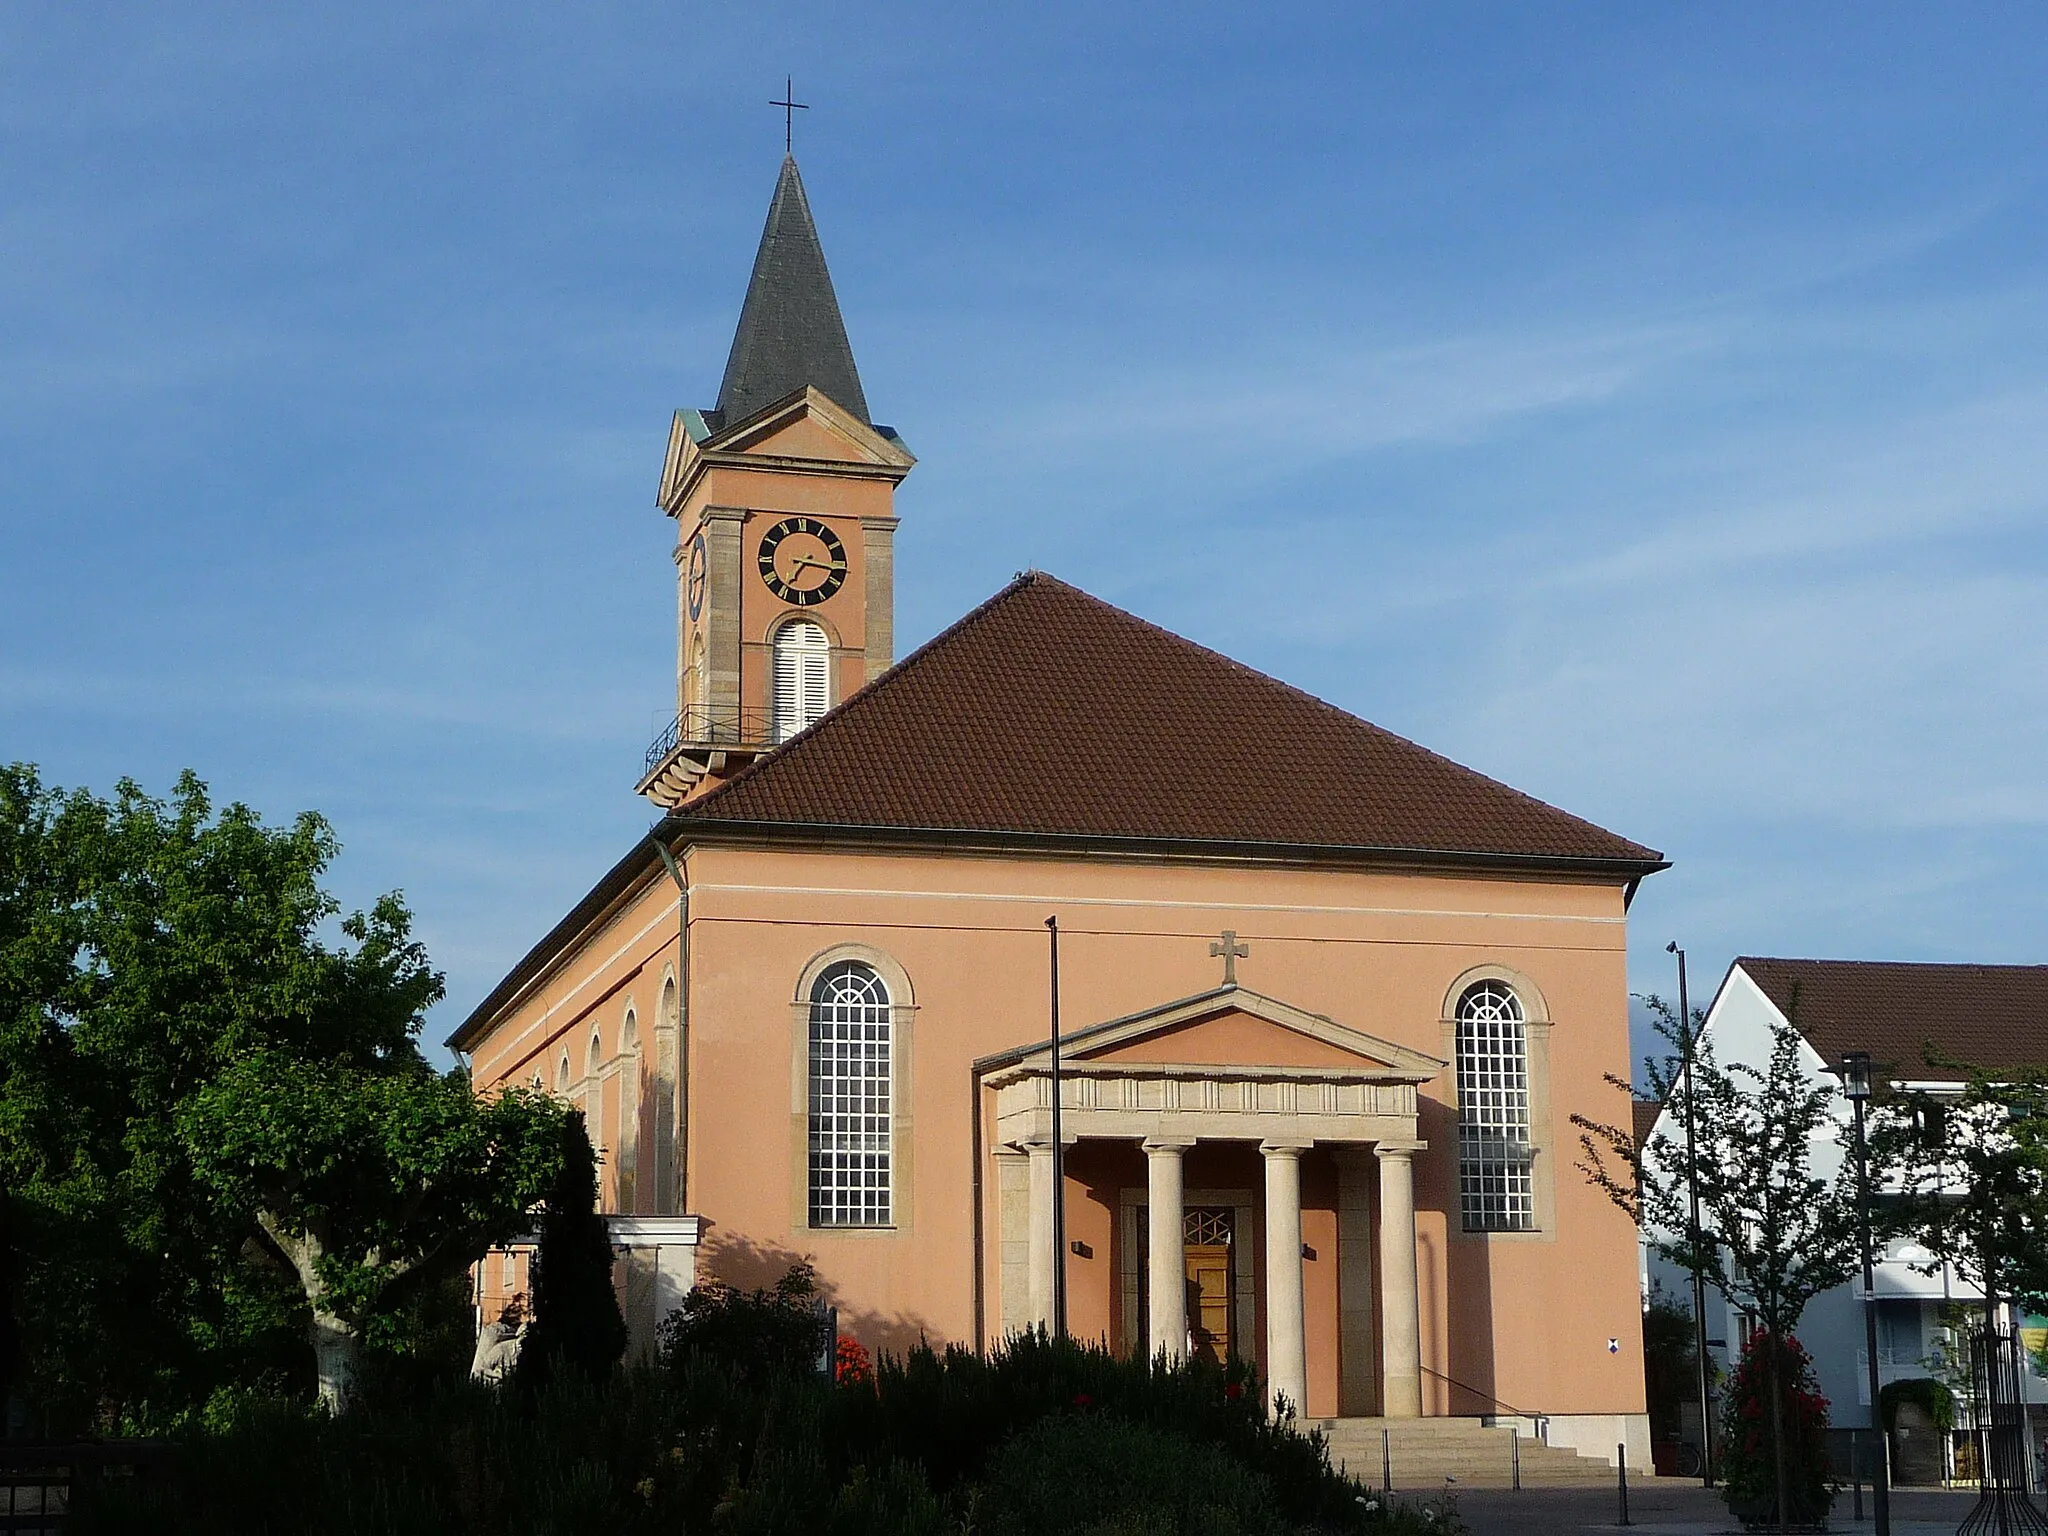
[{"x": 1059, "y": 1176}]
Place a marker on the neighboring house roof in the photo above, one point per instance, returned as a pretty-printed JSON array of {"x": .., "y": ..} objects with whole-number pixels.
[
  {"x": 1644, "y": 1113},
  {"x": 1047, "y": 712},
  {"x": 791, "y": 332},
  {"x": 1979, "y": 1015}
]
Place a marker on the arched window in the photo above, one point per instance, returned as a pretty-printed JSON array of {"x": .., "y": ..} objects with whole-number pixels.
[
  {"x": 1495, "y": 1190},
  {"x": 629, "y": 1034},
  {"x": 802, "y": 683},
  {"x": 562, "y": 1074},
  {"x": 693, "y": 693},
  {"x": 851, "y": 1069}
]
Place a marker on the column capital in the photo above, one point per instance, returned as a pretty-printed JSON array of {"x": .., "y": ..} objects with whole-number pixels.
[
  {"x": 1285, "y": 1146},
  {"x": 1398, "y": 1149},
  {"x": 1165, "y": 1144}
]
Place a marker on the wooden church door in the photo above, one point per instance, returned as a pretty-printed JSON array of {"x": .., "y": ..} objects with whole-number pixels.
[{"x": 1209, "y": 1280}]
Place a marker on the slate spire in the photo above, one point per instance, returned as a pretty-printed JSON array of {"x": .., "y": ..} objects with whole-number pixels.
[{"x": 791, "y": 333}]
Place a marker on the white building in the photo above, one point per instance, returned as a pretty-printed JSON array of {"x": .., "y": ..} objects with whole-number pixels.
[{"x": 1986, "y": 1015}]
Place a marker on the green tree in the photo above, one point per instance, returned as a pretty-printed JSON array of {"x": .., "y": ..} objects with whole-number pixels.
[
  {"x": 576, "y": 1323},
  {"x": 367, "y": 1184},
  {"x": 151, "y": 952},
  {"x": 1969, "y": 1177},
  {"x": 1775, "y": 1231}
]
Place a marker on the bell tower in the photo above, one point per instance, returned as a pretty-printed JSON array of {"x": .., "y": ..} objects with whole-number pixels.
[{"x": 783, "y": 496}]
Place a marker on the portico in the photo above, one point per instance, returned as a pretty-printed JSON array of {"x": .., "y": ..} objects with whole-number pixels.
[{"x": 1230, "y": 1068}]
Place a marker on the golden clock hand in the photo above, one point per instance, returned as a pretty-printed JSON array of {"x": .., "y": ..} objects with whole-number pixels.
[{"x": 822, "y": 565}]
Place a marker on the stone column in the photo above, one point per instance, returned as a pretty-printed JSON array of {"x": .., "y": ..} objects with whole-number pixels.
[
  {"x": 1400, "y": 1322},
  {"x": 1286, "y": 1343},
  {"x": 1042, "y": 1260},
  {"x": 1166, "y": 1271}
]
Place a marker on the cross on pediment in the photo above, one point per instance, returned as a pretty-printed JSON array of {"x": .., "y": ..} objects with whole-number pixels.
[{"x": 1229, "y": 951}]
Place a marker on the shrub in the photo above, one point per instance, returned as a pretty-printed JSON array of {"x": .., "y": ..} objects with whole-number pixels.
[
  {"x": 1749, "y": 1458},
  {"x": 1938, "y": 1402},
  {"x": 776, "y": 1331},
  {"x": 1085, "y": 1472},
  {"x": 735, "y": 1431}
]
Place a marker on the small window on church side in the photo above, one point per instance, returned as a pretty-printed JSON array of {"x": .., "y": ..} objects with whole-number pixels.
[
  {"x": 802, "y": 681},
  {"x": 851, "y": 1098},
  {"x": 1495, "y": 1190}
]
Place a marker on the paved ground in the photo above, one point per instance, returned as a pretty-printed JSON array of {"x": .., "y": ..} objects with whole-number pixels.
[{"x": 1669, "y": 1507}]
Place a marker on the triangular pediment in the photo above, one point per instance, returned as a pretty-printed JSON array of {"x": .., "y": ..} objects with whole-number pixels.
[
  {"x": 806, "y": 428},
  {"x": 1237, "y": 1028}
]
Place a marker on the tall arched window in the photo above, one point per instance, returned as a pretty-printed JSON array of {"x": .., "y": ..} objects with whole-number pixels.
[
  {"x": 1495, "y": 1190},
  {"x": 694, "y": 693},
  {"x": 851, "y": 1071},
  {"x": 803, "y": 673}
]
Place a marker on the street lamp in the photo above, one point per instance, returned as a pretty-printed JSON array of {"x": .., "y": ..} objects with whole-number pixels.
[
  {"x": 1856, "y": 1088},
  {"x": 1692, "y": 1184}
]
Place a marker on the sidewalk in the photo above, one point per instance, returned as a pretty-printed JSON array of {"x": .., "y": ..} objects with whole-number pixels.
[{"x": 1671, "y": 1507}]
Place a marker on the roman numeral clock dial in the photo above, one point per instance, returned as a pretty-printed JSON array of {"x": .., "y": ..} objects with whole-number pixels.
[{"x": 802, "y": 561}]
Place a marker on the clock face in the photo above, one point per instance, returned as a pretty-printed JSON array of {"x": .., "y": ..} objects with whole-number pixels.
[
  {"x": 802, "y": 561},
  {"x": 696, "y": 578}
]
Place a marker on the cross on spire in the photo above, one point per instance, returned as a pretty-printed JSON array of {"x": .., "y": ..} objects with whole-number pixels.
[
  {"x": 1229, "y": 951},
  {"x": 790, "y": 107}
]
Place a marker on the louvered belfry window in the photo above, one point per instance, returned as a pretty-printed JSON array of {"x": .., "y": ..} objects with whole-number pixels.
[
  {"x": 1495, "y": 1189},
  {"x": 851, "y": 1069},
  {"x": 803, "y": 670}
]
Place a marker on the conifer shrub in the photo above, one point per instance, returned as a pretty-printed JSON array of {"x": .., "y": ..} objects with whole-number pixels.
[{"x": 577, "y": 1327}]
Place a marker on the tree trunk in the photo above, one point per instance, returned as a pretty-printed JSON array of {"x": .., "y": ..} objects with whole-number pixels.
[
  {"x": 337, "y": 1353},
  {"x": 337, "y": 1347},
  {"x": 1777, "y": 1429}
]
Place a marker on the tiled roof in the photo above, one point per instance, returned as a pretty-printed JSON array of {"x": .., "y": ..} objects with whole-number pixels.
[
  {"x": 790, "y": 333},
  {"x": 1980, "y": 1015},
  {"x": 1047, "y": 712},
  {"x": 1643, "y": 1115}
]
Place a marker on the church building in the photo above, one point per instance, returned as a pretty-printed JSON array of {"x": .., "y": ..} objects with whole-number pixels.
[{"x": 1328, "y": 1000}]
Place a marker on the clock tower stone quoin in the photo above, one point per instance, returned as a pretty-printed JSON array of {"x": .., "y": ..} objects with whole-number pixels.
[{"x": 783, "y": 495}]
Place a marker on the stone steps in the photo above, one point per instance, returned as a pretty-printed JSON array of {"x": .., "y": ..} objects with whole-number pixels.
[{"x": 1426, "y": 1453}]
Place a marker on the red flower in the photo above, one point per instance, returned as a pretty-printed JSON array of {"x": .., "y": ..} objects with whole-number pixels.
[
  {"x": 1233, "y": 1390},
  {"x": 1082, "y": 1400},
  {"x": 851, "y": 1365}
]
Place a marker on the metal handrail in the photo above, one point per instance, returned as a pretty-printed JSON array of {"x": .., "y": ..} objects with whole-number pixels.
[
  {"x": 1466, "y": 1386},
  {"x": 723, "y": 725}
]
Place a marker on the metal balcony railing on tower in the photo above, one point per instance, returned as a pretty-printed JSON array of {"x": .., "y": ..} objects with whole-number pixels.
[{"x": 711, "y": 725}]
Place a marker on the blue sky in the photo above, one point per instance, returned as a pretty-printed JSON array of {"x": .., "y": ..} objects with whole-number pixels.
[{"x": 1655, "y": 397}]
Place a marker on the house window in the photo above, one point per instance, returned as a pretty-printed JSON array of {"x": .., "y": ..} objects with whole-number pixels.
[
  {"x": 1495, "y": 1189},
  {"x": 1901, "y": 1340},
  {"x": 802, "y": 684},
  {"x": 851, "y": 1072}
]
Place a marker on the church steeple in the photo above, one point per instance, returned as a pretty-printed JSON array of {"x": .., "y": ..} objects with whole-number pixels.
[
  {"x": 790, "y": 333},
  {"x": 783, "y": 496}
]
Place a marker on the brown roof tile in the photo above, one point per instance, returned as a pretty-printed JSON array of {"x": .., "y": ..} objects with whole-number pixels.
[
  {"x": 1643, "y": 1115},
  {"x": 1981, "y": 1015},
  {"x": 1049, "y": 712}
]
